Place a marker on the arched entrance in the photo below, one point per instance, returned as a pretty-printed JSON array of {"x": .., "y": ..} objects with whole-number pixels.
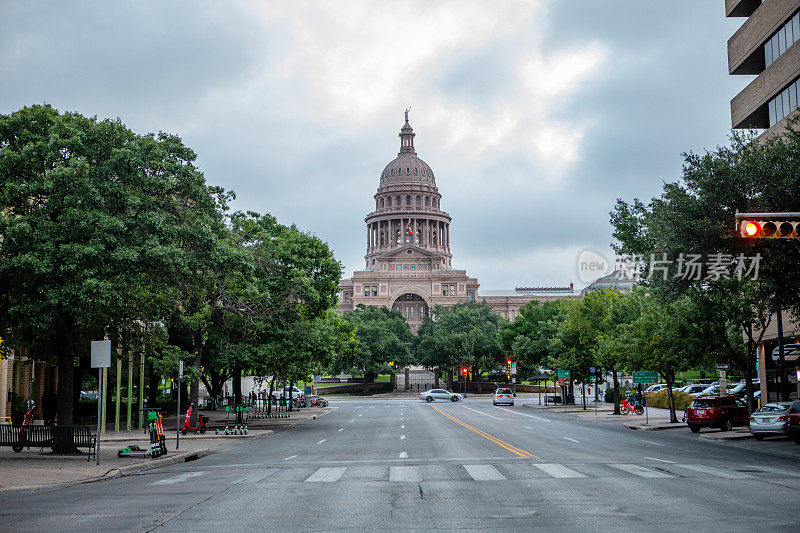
[{"x": 413, "y": 307}]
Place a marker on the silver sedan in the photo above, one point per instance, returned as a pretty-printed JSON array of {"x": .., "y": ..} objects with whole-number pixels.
[
  {"x": 770, "y": 420},
  {"x": 439, "y": 394}
]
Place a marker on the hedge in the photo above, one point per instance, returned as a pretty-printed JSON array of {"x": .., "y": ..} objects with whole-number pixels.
[{"x": 660, "y": 399}]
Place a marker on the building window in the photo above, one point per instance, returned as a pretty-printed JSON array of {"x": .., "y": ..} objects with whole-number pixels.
[
  {"x": 471, "y": 296},
  {"x": 392, "y": 172},
  {"x": 347, "y": 297},
  {"x": 427, "y": 201},
  {"x": 382, "y": 203},
  {"x": 413, "y": 267},
  {"x": 784, "y": 103},
  {"x": 399, "y": 203},
  {"x": 448, "y": 290},
  {"x": 419, "y": 201},
  {"x": 389, "y": 200},
  {"x": 374, "y": 290},
  {"x": 408, "y": 199},
  {"x": 366, "y": 290},
  {"x": 782, "y": 40},
  {"x": 408, "y": 170},
  {"x": 416, "y": 171},
  {"x": 405, "y": 267}
]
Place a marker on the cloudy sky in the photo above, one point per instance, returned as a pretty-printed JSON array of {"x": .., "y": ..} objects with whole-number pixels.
[{"x": 535, "y": 115}]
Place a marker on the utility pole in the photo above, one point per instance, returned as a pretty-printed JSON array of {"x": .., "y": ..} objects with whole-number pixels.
[{"x": 781, "y": 360}]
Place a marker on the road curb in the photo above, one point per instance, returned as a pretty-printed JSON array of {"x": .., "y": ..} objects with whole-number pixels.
[
  {"x": 726, "y": 436},
  {"x": 653, "y": 427},
  {"x": 209, "y": 435}
]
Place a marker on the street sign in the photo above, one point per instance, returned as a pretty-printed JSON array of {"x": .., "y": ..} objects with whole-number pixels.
[
  {"x": 592, "y": 379},
  {"x": 563, "y": 374},
  {"x": 722, "y": 367},
  {"x": 101, "y": 354},
  {"x": 180, "y": 369},
  {"x": 514, "y": 369},
  {"x": 564, "y": 382},
  {"x": 723, "y": 383},
  {"x": 645, "y": 377}
]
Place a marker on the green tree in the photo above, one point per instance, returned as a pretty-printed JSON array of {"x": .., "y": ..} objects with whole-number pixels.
[
  {"x": 91, "y": 215},
  {"x": 383, "y": 336},
  {"x": 466, "y": 333},
  {"x": 528, "y": 339}
]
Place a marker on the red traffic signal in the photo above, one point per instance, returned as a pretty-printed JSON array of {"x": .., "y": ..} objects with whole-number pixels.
[
  {"x": 464, "y": 370},
  {"x": 508, "y": 362},
  {"x": 768, "y": 225}
]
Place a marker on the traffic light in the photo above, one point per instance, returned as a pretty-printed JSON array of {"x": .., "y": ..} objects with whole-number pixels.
[
  {"x": 508, "y": 362},
  {"x": 768, "y": 225},
  {"x": 464, "y": 370}
]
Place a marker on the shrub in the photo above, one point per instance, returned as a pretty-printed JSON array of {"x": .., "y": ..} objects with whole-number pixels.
[
  {"x": 660, "y": 399},
  {"x": 609, "y": 396}
]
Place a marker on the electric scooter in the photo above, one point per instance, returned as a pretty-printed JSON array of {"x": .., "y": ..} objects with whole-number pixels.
[
  {"x": 201, "y": 418},
  {"x": 158, "y": 443},
  {"x": 17, "y": 447}
]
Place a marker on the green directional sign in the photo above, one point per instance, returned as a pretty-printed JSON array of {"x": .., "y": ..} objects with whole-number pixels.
[
  {"x": 564, "y": 374},
  {"x": 645, "y": 377}
]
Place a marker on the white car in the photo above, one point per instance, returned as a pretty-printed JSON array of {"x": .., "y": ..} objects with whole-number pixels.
[
  {"x": 296, "y": 393},
  {"x": 505, "y": 396},
  {"x": 695, "y": 389},
  {"x": 656, "y": 388},
  {"x": 439, "y": 394}
]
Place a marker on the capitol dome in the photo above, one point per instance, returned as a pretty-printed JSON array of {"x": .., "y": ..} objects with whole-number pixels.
[{"x": 407, "y": 167}]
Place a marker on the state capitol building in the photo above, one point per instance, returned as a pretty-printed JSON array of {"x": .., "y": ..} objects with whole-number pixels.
[{"x": 409, "y": 262}]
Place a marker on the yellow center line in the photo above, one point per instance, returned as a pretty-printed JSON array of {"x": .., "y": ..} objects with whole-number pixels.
[{"x": 507, "y": 446}]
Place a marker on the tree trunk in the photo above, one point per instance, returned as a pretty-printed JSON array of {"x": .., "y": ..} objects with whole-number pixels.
[
  {"x": 748, "y": 369},
  {"x": 616, "y": 391},
  {"x": 66, "y": 372},
  {"x": 670, "y": 378},
  {"x": 269, "y": 398},
  {"x": 236, "y": 375},
  {"x": 194, "y": 390},
  {"x": 152, "y": 386}
]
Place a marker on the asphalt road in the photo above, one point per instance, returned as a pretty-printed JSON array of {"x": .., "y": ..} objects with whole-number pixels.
[{"x": 404, "y": 464}]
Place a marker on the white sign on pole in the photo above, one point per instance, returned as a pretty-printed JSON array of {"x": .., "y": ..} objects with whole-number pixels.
[
  {"x": 180, "y": 369},
  {"x": 101, "y": 354}
]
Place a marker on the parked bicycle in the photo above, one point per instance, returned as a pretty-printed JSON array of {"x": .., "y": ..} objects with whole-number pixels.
[{"x": 625, "y": 407}]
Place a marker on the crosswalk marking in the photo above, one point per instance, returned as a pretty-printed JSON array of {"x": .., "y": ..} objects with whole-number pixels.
[
  {"x": 557, "y": 470},
  {"x": 255, "y": 477},
  {"x": 484, "y": 472},
  {"x": 715, "y": 471},
  {"x": 178, "y": 478},
  {"x": 639, "y": 470},
  {"x": 403, "y": 455},
  {"x": 326, "y": 474},
  {"x": 404, "y": 473}
]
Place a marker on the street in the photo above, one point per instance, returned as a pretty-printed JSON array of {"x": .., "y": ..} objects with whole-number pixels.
[{"x": 404, "y": 464}]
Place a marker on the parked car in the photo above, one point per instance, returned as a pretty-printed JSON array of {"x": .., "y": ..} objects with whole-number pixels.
[
  {"x": 505, "y": 396},
  {"x": 656, "y": 388},
  {"x": 793, "y": 426},
  {"x": 721, "y": 412},
  {"x": 740, "y": 389},
  {"x": 439, "y": 394},
  {"x": 772, "y": 419},
  {"x": 695, "y": 389},
  {"x": 296, "y": 393}
]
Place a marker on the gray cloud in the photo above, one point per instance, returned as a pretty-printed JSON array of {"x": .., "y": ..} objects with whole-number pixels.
[{"x": 297, "y": 107}]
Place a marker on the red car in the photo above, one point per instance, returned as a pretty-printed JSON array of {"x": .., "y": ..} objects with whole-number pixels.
[
  {"x": 721, "y": 412},
  {"x": 793, "y": 425}
]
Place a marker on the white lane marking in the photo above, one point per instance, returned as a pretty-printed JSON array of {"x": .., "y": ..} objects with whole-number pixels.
[
  {"x": 484, "y": 414},
  {"x": 540, "y": 418},
  {"x": 352, "y": 421},
  {"x": 573, "y": 440},
  {"x": 484, "y": 472},
  {"x": 402, "y": 437},
  {"x": 326, "y": 474},
  {"x": 557, "y": 470},
  {"x": 255, "y": 477},
  {"x": 290, "y": 457},
  {"x": 402, "y": 419},
  {"x": 341, "y": 429},
  {"x": 659, "y": 460},
  {"x": 323, "y": 440},
  {"x": 177, "y": 479},
  {"x": 651, "y": 442},
  {"x": 715, "y": 471},
  {"x": 403, "y": 455},
  {"x": 527, "y": 427},
  {"x": 639, "y": 470},
  {"x": 409, "y": 474},
  {"x": 359, "y": 415},
  {"x": 402, "y": 427}
]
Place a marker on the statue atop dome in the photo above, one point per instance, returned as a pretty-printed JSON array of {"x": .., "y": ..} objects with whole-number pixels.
[{"x": 407, "y": 110}]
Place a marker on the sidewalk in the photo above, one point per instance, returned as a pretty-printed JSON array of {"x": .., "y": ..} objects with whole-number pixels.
[
  {"x": 37, "y": 468},
  {"x": 655, "y": 418}
]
